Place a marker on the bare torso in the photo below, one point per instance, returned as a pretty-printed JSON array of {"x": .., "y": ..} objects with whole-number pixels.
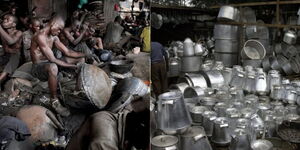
[
  {"x": 35, "y": 52},
  {"x": 14, "y": 48}
]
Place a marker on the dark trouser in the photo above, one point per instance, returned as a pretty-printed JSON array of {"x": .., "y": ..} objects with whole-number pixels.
[{"x": 159, "y": 78}]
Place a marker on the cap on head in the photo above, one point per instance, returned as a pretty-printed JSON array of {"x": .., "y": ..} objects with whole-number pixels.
[{"x": 57, "y": 20}]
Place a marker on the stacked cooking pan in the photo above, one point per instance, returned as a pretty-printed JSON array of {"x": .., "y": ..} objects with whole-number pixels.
[{"x": 226, "y": 37}]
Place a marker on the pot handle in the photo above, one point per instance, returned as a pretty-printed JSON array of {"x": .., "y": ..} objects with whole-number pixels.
[
  {"x": 198, "y": 137},
  {"x": 224, "y": 125}
]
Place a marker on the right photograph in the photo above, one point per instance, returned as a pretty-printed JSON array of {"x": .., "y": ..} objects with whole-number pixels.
[{"x": 225, "y": 75}]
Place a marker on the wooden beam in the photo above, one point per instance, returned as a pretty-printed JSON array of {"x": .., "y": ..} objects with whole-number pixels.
[
  {"x": 260, "y": 3},
  {"x": 260, "y": 24}
]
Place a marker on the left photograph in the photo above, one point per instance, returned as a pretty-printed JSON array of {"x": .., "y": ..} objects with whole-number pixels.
[{"x": 74, "y": 74}]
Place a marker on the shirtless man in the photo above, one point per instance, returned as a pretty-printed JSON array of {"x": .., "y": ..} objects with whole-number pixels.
[
  {"x": 11, "y": 41},
  {"x": 34, "y": 27},
  {"x": 44, "y": 62}
]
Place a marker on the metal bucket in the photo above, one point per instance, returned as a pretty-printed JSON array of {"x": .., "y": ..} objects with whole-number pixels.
[
  {"x": 226, "y": 46},
  {"x": 228, "y": 59},
  {"x": 194, "y": 139},
  {"x": 96, "y": 85}
]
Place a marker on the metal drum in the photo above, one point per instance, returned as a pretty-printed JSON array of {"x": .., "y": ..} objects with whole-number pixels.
[
  {"x": 191, "y": 63},
  {"x": 96, "y": 85},
  {"x": 226, "y": 46},
  {"x": 225, "y": 31}
]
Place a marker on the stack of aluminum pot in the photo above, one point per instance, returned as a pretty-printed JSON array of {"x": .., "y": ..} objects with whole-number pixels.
[{"x": 226, "y": 37}]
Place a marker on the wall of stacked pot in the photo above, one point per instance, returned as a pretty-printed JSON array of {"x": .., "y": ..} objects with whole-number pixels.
[{"x": 237, "y": 89}]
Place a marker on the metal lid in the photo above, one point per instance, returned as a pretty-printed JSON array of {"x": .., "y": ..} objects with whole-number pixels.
[
  {"x": 208, "y": 101},
  {"x": 195, "y": 132},
  {"x": 173, "y": 95},
  {"x": 221, "y": 121},
  {"x": 198, "y": 109},
  {"x": 210, "y": 114},
  {"x": 164, "y": 141},
  {"x": 96, "y": 84}
]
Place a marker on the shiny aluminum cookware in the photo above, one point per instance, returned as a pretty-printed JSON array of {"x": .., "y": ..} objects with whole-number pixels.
[
  {"x": 243, "y": 123},
  {"x": 290, "y": 95},
  {"x": 209, "y": 102},
  {"x": 174, "y": 67},
  {"x": 295, "y": 65},
  {"x": 218, "y": 65},
  {"x": 249, "y": 85},
  {"x": 191, "y": 63},
  {"x": 262, "y": 108},
  {"x": 179, "y": 86},
  {"x": 208, "y": 122},
  {"x": 193, "y": 79},
  {"x": 253, "y": 49},
  {"x": 232, "y": 114},
  {"x": 226, "y": 46},
  {"x": 247, "y": 112},
  {"x": 199, "y": 49},
  {"x": 241, "y": 140},
  {"x": 261, "y": 145},
  {"x": 266, "y": 64},
  {"x": 292, "y": 109},
  {"x": 275, "y": 64},
  {"x": 273, "y": 78},
  {"x": 261, "y": 84},
  {"x": 220, "y": 109},
  {"x": 188, "y": 47},
  {"x": 222, "y": 31},
  {"x": 172, "y": 115},
  {"x": 164, "y": 142},
  {"x": 191, "y": 92},
  {"x": 285, "y": 65},
  {"x": 221, "y": 132},
  {"x": 227, "y": 74},
  {"x": 197, "y": 112},
  {"x": 290, "y": 37},
  {"x": 277, "y": 93},
  {"x": 229, "y": 13},
  {"x": 252, "y": 62},
  {"x": 238, "y": 79},
  {"x": 194, "y": 139},
  {"x": 214, "y": 78}
]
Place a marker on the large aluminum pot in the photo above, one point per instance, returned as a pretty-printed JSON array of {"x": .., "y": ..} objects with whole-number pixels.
[
  {"x": 191, "y": 63},
  {"x": 221, "y": 133},
  {"x": 290, "y": 37},
  {"x": 179, "y": 86},
  {"x": 188, "y": 47},
  {"x": 197, "y": 112},
  {"x": 208, "y": 122},
  {"x": 172, "y": 115},
  {"x": 253, "y": 49},
  {"x": 277, "y": 92},
  {"x": 195, "y": 139},
  {"x": 174, "y": 67},
  {"x": 41, "y": 127},
  {"x": 225, "y": 31},
  {"x": 191, "y": 92},
  {"x": 226, "y": 46},
  {"x": 164, "y": 142},
  {"x": 261, "y": 145},
  {"x": 96, "y": 85},
  {"x": 193, "y": 79},
  {"x": 214, "y": 78},
  {"x": 228, "y": 59},
  {"x": 241, "y": 140},
  {"x": 209, "y": 102},
  {"x": 220, "y": 109},
  {"x": 229, "y": 13}
]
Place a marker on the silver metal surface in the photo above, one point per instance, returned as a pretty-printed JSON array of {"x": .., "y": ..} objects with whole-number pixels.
[
  {"x": 241, "y": 140},
  {"x": 290, "y": 37},
  {"x": 214, "y": 78},
  {"x": 164, "y": 142},
  {"x": 179, "y": 86},
  {"x": 208, "y": 122},
  {"x": 229, "y": 13},
  {"x": 253, "y": 49},
  {"x": 195, "y": 139},
  {"x": 221, "y": 133},
  {"x": 252, "y": 62},
  {"x": 191, "y": 92},
  {"x": 228, "y": 59},
  {"x": 191, "y": 63},
  {"x": 188, "y": 47},
  {"x": 261, "y": 145},
  {"x": 225, "y": 31},
  {"x": 197, "y": 112},
  {"x": 226, "y": 46}
]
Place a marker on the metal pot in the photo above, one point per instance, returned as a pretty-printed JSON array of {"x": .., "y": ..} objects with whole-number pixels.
[
  {"x": 220, "y": 108},
  {"x": 164, "y": 142},
  {"x": 290, "y": 96},
  {"x": 240, "y": 140},
  {"x": 226, "y": 46},
  {"x": 208, "y": 122},
  {"x": 261, "y": 145},
  {"x": 247, "y": 112},
  {"x": 266, "y": 64},
  {"x": 197, "y": 112},
  {"x": 294, "y": 65},
  {"x": 285, "y": 65},
  {"x": 290, "y": 37},
  {"x": 174, "y": 67},
  {"x": 227, "y": 74},
  {"x": 199, "y": 49},
  {"x": 253, "y": 49},
  {"x": 277, "y": 92},
  {"x": 195, "y": 139},
  {"x": 261, "y": 84},
  {"x": 273, "y": 78},
  {"x": 172, "y": 115},
  {"x": 249, "y": 85},
  {"x": 275, "y": 64},
  {"x": 232, "y": 114},
  {"x": 193, "y": 79},
  {"x": 214, "y": 78},
  {"x": 191, "y": 63},
  {"x": 218, "y": 65},
  {"x": 132, "y": 85},
  {"x": 228, "y": 59},
  {"x": 252, "y": 62},
  {"x": 179, "y": 86},
  {"x": 221, "y": 133},
  {"x": 188, "y": 47},
  {"x": 209, "y": 102},
  {"x": 243, "y": 123},
  {"x": 229, "y": 13},
  {"x": 262, "y": 108},
  {"x": 238, "y": 80},
  {"x": 225, "y": 31},
  {"x": 191, "y": 92}
]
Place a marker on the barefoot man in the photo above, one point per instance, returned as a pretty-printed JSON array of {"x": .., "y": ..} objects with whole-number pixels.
[{"x": 45, "y": 64}]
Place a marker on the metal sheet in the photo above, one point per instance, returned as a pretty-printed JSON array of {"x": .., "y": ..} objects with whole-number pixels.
[{"x": 96, "y": 85}]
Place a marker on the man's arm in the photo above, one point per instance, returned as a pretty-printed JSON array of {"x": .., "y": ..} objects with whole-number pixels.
[
  {"x": 72, "y": 39},
  {"x": 10, "y": 40},
  {"x": 41, "y": 40},
  {"x": 66, "y": 51}
]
